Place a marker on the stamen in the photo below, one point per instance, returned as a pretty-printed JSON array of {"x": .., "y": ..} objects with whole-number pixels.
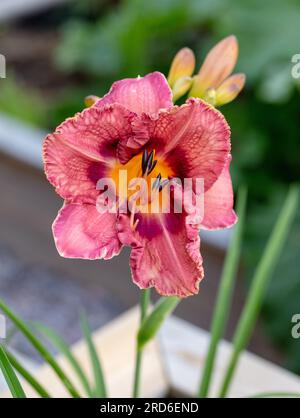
[
  {"x": 144, "y": 161},
  {"x": 147, "y": 162},
  {"x": 133, "y": 224},
  {"x": 163, "y": 184},
  {"x": 156, "y": 182},
  {"x": 153, "y": 165},
  {"x": 150, "y": 161}
]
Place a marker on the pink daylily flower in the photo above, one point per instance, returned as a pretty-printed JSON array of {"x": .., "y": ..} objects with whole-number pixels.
[{"x": 189, "y": 141}]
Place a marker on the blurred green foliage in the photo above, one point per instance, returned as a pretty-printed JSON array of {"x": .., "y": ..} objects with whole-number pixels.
[
  {"x": 104, "y": 40},
  {"x": 136, "y": 36},
  {"x": 283, "y": 298},
  {"x": 22, "y": 103}
]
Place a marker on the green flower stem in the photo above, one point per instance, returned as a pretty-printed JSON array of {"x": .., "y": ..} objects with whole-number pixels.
[
  {"x": 259, "y": 284},
  {"x": 224, "y": 295},
  {"x": 144, "y": 304}
]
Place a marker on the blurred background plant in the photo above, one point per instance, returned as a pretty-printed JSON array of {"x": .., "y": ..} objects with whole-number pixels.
[{"x": 94, "y": 42}]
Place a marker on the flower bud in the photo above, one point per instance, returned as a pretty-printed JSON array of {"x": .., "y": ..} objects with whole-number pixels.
[
  {"x": 90, "y": 100},
  {"x": 181, "y": 87},
  {"x": 183, "y": 65},
  {"x": 218, "y": 65},
  {"x": 229, "y": 89}
]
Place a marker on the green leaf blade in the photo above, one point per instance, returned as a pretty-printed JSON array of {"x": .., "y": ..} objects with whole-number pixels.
[
  {"x": 100, "y": 387},
  {"x": 259, "y": 284},
  {"x": 150, "y": 326},
  {"x": 40, "y": 390},
  {"x": 45, "y": 354},
  {"x": 12, "y": 381},
  {"x": 59, "y": 343},
  {"x": 276, "y": 395},
  {"x": 225, "y": 292}
]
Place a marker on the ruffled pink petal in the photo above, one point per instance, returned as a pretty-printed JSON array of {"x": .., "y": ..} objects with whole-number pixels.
[
  {"x": 80, "y": 231},
  {"x": 170, "y": 260},
  {"x": 82, "y": 148},
  {"x": 73, "y": 175},
  {"x": 128, "y": 147},
  {"x": 218, "y": 203},
  {"x": 95, "y": 132},
  {"x": 194, "y": 139},
  {"x": 146, "y": 94}
]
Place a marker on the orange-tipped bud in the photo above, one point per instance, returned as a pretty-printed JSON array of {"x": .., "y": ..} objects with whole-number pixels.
[
  {"x": 90, "y": 100},
  {"x": 183, "y": 65},
  {"x": 181, "y": 87},
  {"x": 229, "y": 89},
  {"x": 217, "y": 66}
]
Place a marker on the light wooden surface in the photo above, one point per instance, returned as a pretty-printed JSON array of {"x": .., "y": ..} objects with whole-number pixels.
[
  {"x": 116, "y": 346},
  {"x": 184, "y": 348}
]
